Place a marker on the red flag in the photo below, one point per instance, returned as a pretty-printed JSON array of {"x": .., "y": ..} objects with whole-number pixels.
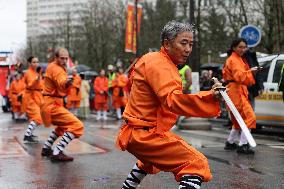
[
  {"x": 70, "y": 63},
  {"x": 130, "y": 32}
]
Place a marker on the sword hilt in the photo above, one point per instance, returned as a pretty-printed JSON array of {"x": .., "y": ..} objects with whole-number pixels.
[{"x": 220, "y": 88}]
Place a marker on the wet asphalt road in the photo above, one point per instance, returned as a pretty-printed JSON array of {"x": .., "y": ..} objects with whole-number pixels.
[{"x": 99, "y": 165}]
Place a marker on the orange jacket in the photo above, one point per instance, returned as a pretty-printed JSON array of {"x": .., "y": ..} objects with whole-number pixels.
[
  {"x": 55, "y": 80},
  {"x": 54, "y": 90},
  {"x": 52, "y": 110},
  {"x": 33, "y": 86},
  {"x": 238, "y": 73},
  {"x": 156, "y": 97},
  {"x": 74, "y": 93},
  {"x": 101, "y": 85},
  {"x": 31, "y": 80},
  {"x": 33, "y": 95},
  {"x": 118, "y": 84},
  {"x": 17, "y": 88}
]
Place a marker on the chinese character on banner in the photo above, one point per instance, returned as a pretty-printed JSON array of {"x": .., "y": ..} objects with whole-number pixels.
[{"x": 130, "y": 31}]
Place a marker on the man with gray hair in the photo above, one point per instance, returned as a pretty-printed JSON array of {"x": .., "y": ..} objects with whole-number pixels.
[{"x": 155, "y": 101}]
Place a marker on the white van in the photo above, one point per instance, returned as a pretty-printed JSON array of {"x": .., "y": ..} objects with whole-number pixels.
[{"x": 269, "y": 107}]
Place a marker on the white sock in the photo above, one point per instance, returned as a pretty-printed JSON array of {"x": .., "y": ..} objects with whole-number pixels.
[
  {"x": 118, "y": 113},
  {"x": 16, "y": 114},
  {"x": 104, "y": 115},
  {"x": 75, "y": 111},
  {"x": 190, "y": 182},
  {"x": 233, "y": 136},
  {"x": 134, "y": 178},
  {"x": 99, "y": 115},
  {"x": 51, "y": 139},
  {"x": 31, "y": 128},
  {"x": 243, "y": 139},
  {"x": 64, "y": 141}
]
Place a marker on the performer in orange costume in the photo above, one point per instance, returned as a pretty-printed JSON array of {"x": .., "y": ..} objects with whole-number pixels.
[
  {"x": 24, "y": 101},
  {"x": 74, "y": 94},
  {"x": 155, "y": 101},
  {"x": 33, "y": 97},
  {"x": 53, "y": 112},
  {"x": 118, "y": 95},
  {"x": 239, "y": 76},
  {"x": 17, "y": 88},
  {"x": 101, "y": 98}
]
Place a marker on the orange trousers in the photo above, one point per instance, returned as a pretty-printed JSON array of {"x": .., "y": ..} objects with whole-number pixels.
[
  {"x": 56, "y": 114},
  {"x": 245, "y": 109},
  {"x": 101, "y": 106},
  {"x": 32, "y": 108},
  {"x": 167, "y": 152},
  {"x": 73, "y": 104},
  {"x": 16, "y": 108},
  {"x": 66, "y": 122}
]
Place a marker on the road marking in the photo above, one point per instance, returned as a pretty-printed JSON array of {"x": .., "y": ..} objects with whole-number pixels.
[
  {"x": 213, "y": 145},
  {"x": 106, "y": 137},
  {"x": 76, "y": 146},
  {"x": 104, "y": 126},
  {"x": 9, "y": 147},
  {"x": 276, "y": 146},
  {"x": 80, "y": 147}
]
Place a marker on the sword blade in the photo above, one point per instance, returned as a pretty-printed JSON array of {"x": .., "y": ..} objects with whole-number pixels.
[{"x": 239, "y": 118}]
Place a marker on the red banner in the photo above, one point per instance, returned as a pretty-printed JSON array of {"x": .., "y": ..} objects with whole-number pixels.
[
  {"x": 130, "y": 32},
  {"x": 4, "y": 70}
]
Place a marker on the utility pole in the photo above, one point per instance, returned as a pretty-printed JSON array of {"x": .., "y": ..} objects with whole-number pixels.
[{"x": 193, "y": 57}]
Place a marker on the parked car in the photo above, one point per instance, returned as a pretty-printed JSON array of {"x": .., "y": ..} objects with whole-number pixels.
[{"x": 269, "y": 106}]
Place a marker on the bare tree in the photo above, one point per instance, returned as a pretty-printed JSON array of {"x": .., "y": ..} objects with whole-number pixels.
[{"x": 274, "y": 25}]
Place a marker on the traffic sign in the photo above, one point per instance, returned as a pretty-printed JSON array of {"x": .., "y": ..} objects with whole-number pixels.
[{"x": 252, "y": 35}]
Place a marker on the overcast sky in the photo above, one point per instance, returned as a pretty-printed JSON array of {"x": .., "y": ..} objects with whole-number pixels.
[{"x": 13, "y": 25}]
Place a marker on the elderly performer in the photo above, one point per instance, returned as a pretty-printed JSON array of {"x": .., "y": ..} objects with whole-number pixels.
[{"x": 155, "y": 101}]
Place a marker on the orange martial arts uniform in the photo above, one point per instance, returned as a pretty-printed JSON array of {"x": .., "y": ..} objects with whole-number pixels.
[
  {"x": 24, "y": 101},
  {"x": 74, "y": 94},
  {"x": 52, "y": 110},
  {"x": 17, "y": 88},
  {"x": 33, "y": 95},
  {"x": 155, "y": 100},
  {"x": 101, "y": 84},
  {"x": 238, "y": 75},
  {"x": 118, "y": 95}
]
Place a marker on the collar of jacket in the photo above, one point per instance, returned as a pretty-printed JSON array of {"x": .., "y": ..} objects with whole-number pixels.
[
  {"x": 164, "y": 52},
  {"x": 58, "y": 64}
]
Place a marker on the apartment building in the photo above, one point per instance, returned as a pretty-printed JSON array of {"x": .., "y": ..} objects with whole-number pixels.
[{"x": 43, "y": 15}]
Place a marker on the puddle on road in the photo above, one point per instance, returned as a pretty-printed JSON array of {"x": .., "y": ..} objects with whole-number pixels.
[
  {"x": 102, "y": 178},
  {"x": 241, "y": 166}
]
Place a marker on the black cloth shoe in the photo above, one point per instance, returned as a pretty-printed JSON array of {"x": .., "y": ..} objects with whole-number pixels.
[
  {"x": 46, "y": 152},
  {"x": 229, "y": 146},
  {"x": 34, "y": 136},
  {"x": 61, "y": 157},
  {"x": 245, "y": 149},
  {"x": 30, "y": 139}
]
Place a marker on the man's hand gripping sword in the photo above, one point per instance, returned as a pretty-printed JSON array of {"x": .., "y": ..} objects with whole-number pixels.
[{"x": 235, "y": 112}]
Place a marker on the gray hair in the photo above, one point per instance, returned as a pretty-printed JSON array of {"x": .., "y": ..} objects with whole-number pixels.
[{"x": 173, "y": 28}]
